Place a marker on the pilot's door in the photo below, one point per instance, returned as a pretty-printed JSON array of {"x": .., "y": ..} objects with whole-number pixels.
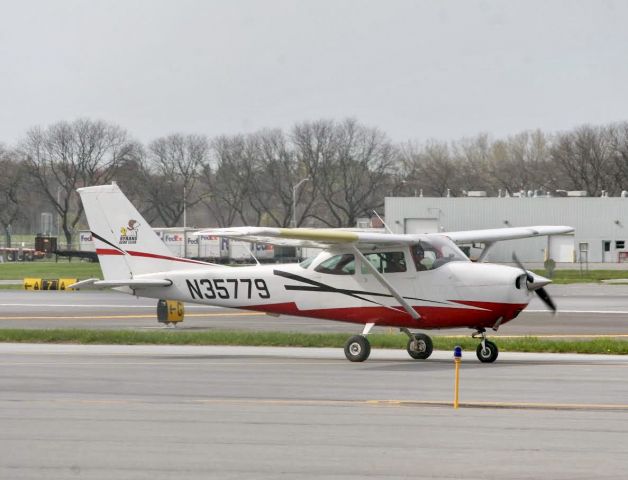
[{"x": 396, "y": 268}]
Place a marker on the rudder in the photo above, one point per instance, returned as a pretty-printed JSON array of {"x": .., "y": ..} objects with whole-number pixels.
[{"x": 126, "y": 244}]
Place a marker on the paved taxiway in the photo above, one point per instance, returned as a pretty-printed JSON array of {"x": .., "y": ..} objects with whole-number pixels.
[
  {"x": 583, "y": 310},
  {"x": 102, "y": 412}
]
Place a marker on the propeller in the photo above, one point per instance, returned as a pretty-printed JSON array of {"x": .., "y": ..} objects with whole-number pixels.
[{"x": 536, "y": 283}]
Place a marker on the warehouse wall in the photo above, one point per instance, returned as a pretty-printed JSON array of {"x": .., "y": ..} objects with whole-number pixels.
[{"x": 595, "y": 220}]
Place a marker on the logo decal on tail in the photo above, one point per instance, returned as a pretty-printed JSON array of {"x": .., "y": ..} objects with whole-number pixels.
[{"x": 128, "y": 233}]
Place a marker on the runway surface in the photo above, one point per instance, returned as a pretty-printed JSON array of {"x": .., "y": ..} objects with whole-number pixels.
[
  {"x": 583, "y": 310},
  {"x": 102, "y": 412}
]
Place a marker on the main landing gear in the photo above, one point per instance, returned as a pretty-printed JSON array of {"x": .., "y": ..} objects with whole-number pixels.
[
  {"x": 487, "y": 351},
  {"x": 358, "y": 348}
]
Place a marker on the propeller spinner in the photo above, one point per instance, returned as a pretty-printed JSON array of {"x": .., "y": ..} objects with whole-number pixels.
[{"x": 536, "y": 283}]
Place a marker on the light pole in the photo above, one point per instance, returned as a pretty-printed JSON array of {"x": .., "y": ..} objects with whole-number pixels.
[
  {"x": 294, "y": 201},
  {"x": 185, "y": 210}
]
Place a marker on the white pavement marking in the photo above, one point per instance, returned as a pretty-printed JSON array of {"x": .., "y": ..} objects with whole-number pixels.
[
  {"x": 83, "y": 305},
  {"x": 287, "y": 352}
]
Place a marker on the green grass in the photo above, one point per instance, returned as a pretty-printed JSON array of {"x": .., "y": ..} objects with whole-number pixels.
[
  {"x": 592, "y": 276},
  {"x": 284, "y": 339},
  {"x": 47, "y": 269}
]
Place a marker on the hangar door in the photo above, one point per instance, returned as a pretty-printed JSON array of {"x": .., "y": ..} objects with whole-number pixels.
[
  {"x": 421, "y": 225},
  {"x": 561, "y": 248}
]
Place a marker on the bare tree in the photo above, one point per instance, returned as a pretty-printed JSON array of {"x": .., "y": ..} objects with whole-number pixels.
[
  {"x": 618, "y": 174},
  {"x": 171, "y": 171},
  {"x": 472, "y": 157},
  {"x": 584, "y": 157},
  {"x": 356, "y": 178},
  {"x": 229, "y": 179},
  {"x": 12, "y": 194},
  {"x": 66, "y": 156},
  {"x": 280, "y": 170},
  {"x": 521, "y": 162},
  {"x": 315, "y": 145},
  {"x": 431, "y": 168}
]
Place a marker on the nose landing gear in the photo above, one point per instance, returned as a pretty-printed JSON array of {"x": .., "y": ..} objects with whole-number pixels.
[
  {"x": 419, "y": 345},
  {"x": 487, "y": 351}
]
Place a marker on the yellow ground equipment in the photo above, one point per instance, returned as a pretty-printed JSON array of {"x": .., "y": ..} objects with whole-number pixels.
[
  {"x": 170, "y": 311},
  {"x": 48, "y": 283}
]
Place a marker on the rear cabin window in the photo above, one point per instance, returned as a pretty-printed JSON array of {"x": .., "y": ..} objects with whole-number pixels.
[
  {"x": 338, "y": 265},
  {"x": 386, "y": 262},
  {"x": 307, "y": 262}
]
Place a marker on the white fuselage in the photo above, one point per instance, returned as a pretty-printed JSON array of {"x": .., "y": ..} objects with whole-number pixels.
[{"x": 458, "y": 293}]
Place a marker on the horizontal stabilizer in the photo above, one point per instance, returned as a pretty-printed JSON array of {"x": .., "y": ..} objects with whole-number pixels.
[{"x": 95, "y": 283}]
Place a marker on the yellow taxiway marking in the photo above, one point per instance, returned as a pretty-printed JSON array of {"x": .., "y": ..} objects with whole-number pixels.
[
  {"x": 371, "y": 403},
  {"x": 506, "y": 405},
  {"x": 110, "y": 317},
  {"x": 425, "y": 403}
]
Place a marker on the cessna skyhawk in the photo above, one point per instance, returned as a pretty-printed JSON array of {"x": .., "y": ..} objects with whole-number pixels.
[{"x": 412, "y": 282}]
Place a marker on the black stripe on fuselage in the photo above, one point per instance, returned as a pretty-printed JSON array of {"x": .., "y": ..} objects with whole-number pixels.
[{"x": 315, "y": 286}]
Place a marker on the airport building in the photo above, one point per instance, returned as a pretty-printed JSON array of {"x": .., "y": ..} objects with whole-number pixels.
[{"x": 601, "y": 224}]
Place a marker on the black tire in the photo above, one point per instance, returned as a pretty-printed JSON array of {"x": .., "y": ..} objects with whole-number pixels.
[
  {"x": 10, "y": 257},
  {"x": 357, "y": 348},
  {"x": 488, "y": 354},
  {"x": 420, "y": 347}
]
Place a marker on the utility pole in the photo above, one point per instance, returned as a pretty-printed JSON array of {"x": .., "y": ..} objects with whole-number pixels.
[
  {"x": 185, "y": 210},
  {"x": 294, "y": 201}
]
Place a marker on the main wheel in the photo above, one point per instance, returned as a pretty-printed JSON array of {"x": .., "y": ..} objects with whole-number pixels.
[
  {"x": 357, "y": 348},
  {"x": 489, "y": 353},
  {"x": 420, "y": 347}
]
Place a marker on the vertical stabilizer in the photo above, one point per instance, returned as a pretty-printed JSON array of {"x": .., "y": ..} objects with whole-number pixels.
[{"x": 126, "y": 244}]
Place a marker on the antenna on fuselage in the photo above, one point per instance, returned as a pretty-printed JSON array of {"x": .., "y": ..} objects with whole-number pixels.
[{"x": 383, "y": 222}]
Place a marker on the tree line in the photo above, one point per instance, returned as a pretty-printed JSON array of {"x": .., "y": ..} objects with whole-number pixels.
[{"x": 343, "y": 170}]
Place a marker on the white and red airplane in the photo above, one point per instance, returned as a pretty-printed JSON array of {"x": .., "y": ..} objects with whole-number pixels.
[{"x": 413, "y": 282}]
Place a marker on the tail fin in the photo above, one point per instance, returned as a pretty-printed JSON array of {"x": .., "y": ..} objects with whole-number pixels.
[{"x": 126, "y": 244}]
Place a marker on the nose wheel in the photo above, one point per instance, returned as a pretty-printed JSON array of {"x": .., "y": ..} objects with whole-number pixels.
[
  {"x": 419, "y": 345},
  {"x": 487, "y": 351}
]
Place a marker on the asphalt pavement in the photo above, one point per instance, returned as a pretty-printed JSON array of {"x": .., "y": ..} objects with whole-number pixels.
[{"x": 159, "y": 412}]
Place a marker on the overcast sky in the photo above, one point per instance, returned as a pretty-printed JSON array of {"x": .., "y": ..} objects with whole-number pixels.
[{"x": 415, "y": 69}]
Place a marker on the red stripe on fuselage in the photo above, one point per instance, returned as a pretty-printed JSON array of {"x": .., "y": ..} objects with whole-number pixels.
[
  {"x": 133, "y": 253},
  {"x": 431, "y": 317}
]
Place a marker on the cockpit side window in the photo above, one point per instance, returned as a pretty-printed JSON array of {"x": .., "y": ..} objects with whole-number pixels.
[
  {"x": 338, "y": 265},
  {"x": 435, "y": 252}
]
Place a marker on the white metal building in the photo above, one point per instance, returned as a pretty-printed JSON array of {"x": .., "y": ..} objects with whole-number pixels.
[{"x": 601, "y": 224}]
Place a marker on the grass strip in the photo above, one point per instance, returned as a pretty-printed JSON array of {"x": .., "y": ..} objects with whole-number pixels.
[
  {"x": 286, "y": 339},
  {"x": 47, "y": 269},
  {"x": 592, "y": 276}
]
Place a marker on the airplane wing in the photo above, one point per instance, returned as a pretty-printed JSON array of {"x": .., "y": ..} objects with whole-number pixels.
[
  {"x": 327, "y": 237},
  {"x": 511, "y": 233},
  {"x": 309, "y": 237}
]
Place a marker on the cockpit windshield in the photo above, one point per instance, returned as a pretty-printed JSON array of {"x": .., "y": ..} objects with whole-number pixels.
[{"x": 436, "y": 252}]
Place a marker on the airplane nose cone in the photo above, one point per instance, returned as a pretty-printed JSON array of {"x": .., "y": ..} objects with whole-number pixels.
[{"x": 537, "y": 281}]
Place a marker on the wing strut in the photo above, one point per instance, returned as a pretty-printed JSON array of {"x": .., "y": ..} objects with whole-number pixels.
[
  {"x": 380, "y": 278},
  {"x": 487, "y": 247}
]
